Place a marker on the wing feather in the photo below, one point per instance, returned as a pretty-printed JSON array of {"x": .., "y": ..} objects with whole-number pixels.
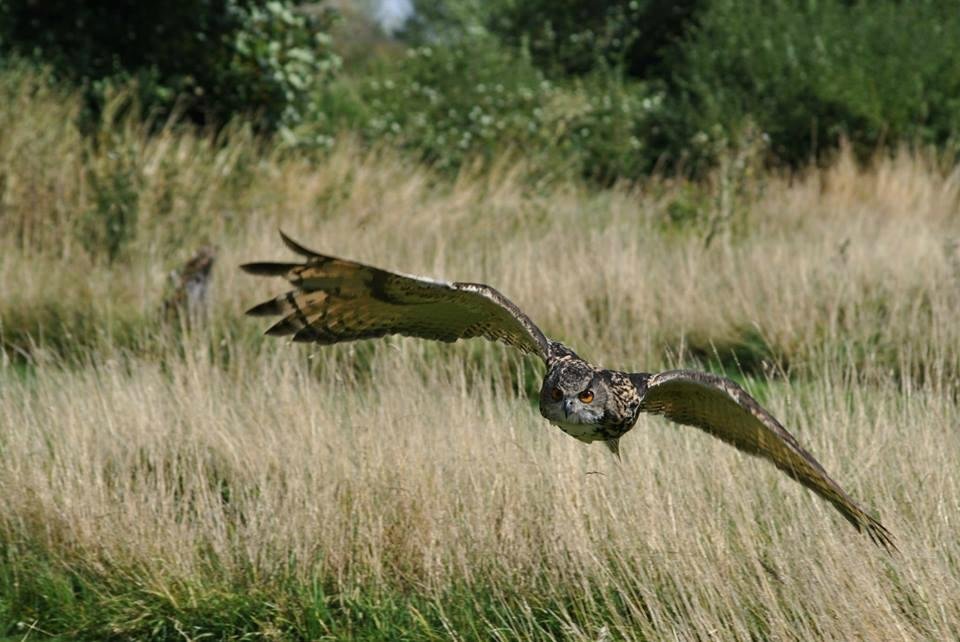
[
  {"x": 723, "y": 409},
  {"x": 337, "y": 300}
]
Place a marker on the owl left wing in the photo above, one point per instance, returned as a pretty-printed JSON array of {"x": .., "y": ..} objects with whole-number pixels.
[
  {"x": 336, "y": 300},
  {"x": 720, "y": 407}
]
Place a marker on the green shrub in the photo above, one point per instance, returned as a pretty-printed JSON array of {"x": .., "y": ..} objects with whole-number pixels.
[
  {"x": 809, "y": 73},
  {"x": 477, "y": 99},
  {"x": 212, "y": 59},
  {"x": 805, "y": 73},
  {"x": 579, "y": 36},
  {"x": 567, "y": 37},
  {"x": 456, "y": 102},
  {"x": 603, "y": 125},
  {"x": 111, "y": 221}
]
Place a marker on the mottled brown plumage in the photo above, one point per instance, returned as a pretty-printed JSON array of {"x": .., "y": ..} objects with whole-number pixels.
[{"x": 337, "y": 300}]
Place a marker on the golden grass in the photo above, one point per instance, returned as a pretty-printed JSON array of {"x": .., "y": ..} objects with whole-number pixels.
[{"x": 172, "y": 460}]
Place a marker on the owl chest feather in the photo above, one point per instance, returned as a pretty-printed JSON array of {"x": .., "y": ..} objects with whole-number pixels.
[{"x": 584, "y": 432}]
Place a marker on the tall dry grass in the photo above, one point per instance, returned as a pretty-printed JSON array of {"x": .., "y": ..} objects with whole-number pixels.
[
  {"x": 425, "y": 483},
  {"x": 153, "y": 480}
]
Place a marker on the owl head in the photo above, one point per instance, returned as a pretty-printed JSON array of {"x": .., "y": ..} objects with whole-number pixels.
[{"x": 573, "y": 393}]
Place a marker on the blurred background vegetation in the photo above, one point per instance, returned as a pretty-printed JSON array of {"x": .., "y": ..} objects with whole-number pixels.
[{"x": 610, "y": 90}]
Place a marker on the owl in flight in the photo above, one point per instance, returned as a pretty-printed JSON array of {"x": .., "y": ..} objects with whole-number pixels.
[{"x": 336, "y": 300}]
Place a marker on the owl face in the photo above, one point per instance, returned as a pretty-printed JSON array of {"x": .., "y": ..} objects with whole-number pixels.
[{"x": 572, "y": 394}]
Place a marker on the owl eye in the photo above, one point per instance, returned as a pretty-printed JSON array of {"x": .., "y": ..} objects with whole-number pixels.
[
  {"x": 586, "y": 396},
  {"x": 556, "y": 395}
]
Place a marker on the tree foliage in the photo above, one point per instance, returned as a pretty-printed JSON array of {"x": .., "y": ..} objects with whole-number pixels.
[{"x": 214, "y": 59}]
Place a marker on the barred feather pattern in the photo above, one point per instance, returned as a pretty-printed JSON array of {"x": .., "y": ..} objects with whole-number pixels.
[
  {"x": 337, "y": 300},
  {"x": 720, "y": 407}
]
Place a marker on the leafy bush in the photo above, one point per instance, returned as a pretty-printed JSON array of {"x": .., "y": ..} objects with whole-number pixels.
[
  {"x": 566, "y": 37},
  {"x": 579, "y": 36},
  {"x": 809, "y": 73},
  {"x": 604, "y": 125},
  {"x": 451, "y": 103},
  {"x": 454, "y": 102},
  {"x": 218, "y": 58},
  {"x": 804, "y": 73}
]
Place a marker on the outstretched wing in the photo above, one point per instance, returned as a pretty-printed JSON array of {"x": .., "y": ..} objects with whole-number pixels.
[
  {"x": 336, "y": 300},
  {"x": 722, "y": 408}
]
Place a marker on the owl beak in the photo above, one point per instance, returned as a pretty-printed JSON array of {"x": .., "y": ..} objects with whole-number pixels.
[{"x": 567, "y": 408}]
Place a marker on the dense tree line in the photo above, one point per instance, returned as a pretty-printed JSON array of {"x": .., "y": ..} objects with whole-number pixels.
[{"x": 611, "y": 89}]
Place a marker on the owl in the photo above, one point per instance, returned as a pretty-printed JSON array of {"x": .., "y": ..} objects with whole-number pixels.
[{"x": 336, "y": 300}]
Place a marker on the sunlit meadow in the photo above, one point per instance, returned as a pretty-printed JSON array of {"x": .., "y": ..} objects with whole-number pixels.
[{"x": 189, "y": 478}]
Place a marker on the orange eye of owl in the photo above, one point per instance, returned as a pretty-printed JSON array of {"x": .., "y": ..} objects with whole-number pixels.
[
  {"x": 586, "y": 396},
  {"x": 556, "y": 395}
]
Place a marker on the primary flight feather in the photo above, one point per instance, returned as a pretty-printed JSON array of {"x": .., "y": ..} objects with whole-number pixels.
[{"x": 336, "y": 300}]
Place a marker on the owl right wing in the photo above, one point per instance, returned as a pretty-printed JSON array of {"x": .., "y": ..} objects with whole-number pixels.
[
  {"x": 720, "y": 407},
  {"x": 336, "y": 300}
]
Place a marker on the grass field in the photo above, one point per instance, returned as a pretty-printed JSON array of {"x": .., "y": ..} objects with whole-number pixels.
[{"x": 166, "y": 482}]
